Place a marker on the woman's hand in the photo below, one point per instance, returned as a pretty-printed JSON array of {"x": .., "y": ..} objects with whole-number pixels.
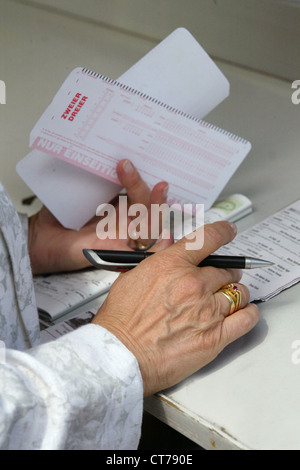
[
  {"x": 53, "y": 248},
  {"x": 169, "y": 312}
]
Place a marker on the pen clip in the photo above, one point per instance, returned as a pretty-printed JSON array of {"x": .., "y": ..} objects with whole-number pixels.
[{"x": 99, "y": 263}]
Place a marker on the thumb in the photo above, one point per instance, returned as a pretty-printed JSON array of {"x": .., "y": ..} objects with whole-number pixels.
[{"x": 210, "y": 238}]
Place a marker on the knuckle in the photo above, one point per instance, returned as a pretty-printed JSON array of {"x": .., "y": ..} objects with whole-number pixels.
[
  {"x": 250, "y": 320},
  {"x": 214, "y": 234},
  {"x": 255, "y": 312},
  {"x": 133, "y": 184},
  {"x": 248, "y": 323},
  {"x": 186, "y": 290}
]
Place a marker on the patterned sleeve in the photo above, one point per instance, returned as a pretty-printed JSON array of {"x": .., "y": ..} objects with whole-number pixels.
[{"x": 82, "y": 391}]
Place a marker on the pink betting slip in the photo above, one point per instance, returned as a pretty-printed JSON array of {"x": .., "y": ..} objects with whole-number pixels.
[
  {"x": 152, "y": 118},
  {"x": 94, "y": 121}
]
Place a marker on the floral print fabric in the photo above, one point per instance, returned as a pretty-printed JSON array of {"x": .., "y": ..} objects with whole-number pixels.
[{"x": 82, "y": 391}]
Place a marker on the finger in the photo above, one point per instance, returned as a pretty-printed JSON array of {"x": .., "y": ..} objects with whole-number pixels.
[
  {"x": 164, "y": 242},
  {"x": 157, "y": 210},
  {"x": 213, "y": 236},
  {"x": 224, "y": 304},
  {"x": 136, "y": 188},
  {"x": 138, "y": 192},
  {"x": 216, "y": 278},
  {"x": 159, "y": 193},
  {"x": 240, "y": 323}
]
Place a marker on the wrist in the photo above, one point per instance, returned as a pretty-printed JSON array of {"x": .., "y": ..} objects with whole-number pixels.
[{"x": 142, "y": 357}]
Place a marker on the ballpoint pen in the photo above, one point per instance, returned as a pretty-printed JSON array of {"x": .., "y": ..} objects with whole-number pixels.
[{"x": 125, "y": 260}]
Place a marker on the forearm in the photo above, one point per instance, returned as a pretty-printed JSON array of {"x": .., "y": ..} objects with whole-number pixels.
[{"x": 83, "y": 391}]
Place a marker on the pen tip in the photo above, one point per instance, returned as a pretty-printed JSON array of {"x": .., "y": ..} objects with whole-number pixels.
[
  {"x": 258, "y": 263},
  {"x": 263, "y": 262}
]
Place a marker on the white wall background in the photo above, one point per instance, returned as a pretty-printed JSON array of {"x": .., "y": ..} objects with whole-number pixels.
[{"x": 261, "y": 34}]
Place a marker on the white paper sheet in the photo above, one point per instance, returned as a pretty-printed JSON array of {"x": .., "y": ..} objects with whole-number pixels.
[
  {"x": 275, "y": 239},
  {"x": 93, "y": 122},
  {"x": 69, "y": 192},
  {"x": 177, "y": 71},
  {"x": 180, "y": 73},
  {"x": 58, "y": 294},
  {"x": 66, "y": 326}
]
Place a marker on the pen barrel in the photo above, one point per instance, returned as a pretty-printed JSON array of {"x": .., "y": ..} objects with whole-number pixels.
[
  {"x": 126, "y": 257},
  {"x": 135, "y": 257},
  {"x": 235, "y": 262}
]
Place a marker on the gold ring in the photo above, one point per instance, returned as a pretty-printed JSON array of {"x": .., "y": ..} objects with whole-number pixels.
[
  {"x": 136, "y": 243},
  {"x": 233, "y": 294},
  {"x": 139, "y": 246}
]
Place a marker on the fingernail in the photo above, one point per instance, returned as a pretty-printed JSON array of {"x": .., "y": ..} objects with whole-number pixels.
[
  {"x": 234, "y": 227},
  {"x": 128, "y": 167},
  {"x": 165, "y": 192}
]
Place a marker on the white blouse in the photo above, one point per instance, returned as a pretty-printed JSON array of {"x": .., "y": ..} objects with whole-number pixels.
[{"x": 81, "y": 391}]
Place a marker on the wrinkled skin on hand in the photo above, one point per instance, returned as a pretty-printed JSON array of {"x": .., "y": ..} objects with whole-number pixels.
[{"x": 169, "y": 312}]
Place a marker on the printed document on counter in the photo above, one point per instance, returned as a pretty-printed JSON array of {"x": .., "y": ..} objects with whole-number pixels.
[
  {"x": 276, "y": 239},
  {"x": 66, "y": 326},
  {"x": 58, "y": 294}
]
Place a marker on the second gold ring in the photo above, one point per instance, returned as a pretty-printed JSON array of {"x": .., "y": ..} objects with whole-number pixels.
[{"x": 233, "y": 294}]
